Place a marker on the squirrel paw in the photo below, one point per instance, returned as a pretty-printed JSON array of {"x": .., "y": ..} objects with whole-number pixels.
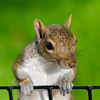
[
  {"x": 65, "y": 87},
  {"x": 26, "y": 88}
]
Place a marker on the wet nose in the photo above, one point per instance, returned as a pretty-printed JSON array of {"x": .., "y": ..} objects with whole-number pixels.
[{"x": 72, "y": 64}]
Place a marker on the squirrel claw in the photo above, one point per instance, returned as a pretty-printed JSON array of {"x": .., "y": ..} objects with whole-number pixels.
[
  {"x": 65, "y": 87},
  {"x": 26, "y": 89}
]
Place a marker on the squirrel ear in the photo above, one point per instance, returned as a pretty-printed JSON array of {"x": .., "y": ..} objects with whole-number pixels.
[
  {"x": 39, "y": 28},
  {"x": 67, "y": 24}
]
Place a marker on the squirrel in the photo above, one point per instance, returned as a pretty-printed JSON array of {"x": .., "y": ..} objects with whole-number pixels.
[{"x": 50, "y": 59}]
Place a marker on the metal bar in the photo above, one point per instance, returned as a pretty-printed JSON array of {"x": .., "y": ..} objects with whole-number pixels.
[
  {"x": 50, "y": 93},
  {"x": 49, "y": 88},
  {"x": 96, "y": 87},
  {"x": 10, "y": 92},
  {"x": 89, "y": 95},
  {"x": 53, "y": 87},
  {"x": 89, "y": 89}
]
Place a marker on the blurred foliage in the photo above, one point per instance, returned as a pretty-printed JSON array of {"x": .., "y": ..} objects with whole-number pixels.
[{"x": 16, "y": 31}]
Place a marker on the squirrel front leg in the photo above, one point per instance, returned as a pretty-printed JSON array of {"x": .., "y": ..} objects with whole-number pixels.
[
  {"x": 25, "y": 82},
  {"x": 23, "y": 78},
  {"x": 66, "y": 84}
]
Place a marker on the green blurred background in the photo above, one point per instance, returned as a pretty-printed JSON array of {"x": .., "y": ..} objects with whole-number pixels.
[{"x": 16, "y": 31}]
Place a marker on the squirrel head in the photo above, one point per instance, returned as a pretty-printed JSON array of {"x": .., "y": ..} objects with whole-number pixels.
[{"x": 56, "y": 43}]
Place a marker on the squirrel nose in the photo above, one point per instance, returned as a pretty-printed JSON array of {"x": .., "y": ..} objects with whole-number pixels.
[{"x": 72, "y": 64}]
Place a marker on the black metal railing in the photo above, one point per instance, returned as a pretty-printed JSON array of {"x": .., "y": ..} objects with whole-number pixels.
[{"x": 49, "y": 89}]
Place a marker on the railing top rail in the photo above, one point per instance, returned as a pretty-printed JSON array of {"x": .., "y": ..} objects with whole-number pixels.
[
  {"x": 52, "y": 87},
  {"x": 49, "y": 88}
]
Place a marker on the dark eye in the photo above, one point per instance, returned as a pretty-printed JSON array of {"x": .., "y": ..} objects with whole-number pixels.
[{"x": 49, "y": 46}]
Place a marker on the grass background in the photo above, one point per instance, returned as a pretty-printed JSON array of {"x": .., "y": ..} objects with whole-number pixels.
[{"x": 16, "y": 31}]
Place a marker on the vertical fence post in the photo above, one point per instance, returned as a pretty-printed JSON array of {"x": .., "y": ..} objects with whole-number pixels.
[
  {"x": 89, "y": 92},
  {"x": 10, "y": 92},
  {"x": 50, "y": 93}
]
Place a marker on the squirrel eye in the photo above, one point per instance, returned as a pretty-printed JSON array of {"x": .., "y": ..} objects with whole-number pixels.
[{"x": 49, "y": 46}]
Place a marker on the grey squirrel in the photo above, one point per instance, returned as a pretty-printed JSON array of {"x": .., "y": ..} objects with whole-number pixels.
[{"x": 49, "y": 59}]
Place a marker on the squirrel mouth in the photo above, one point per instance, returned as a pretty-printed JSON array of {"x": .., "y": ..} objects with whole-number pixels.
[{"x": 63, "y": 66}]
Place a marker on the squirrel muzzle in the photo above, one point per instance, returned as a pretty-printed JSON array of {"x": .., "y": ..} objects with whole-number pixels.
[
  {"x": 66, "y": 64},
  {"x": 72, "y": 64}
]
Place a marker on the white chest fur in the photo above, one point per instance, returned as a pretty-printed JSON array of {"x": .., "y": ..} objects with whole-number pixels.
[{"x": 43, "y": 72}]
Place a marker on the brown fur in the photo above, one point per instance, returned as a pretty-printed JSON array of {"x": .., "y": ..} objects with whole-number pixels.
[
  {"x": 64, "y": 43},
  {"x": 25, "y": 81},
  {"x": 64, "y": 52}
]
